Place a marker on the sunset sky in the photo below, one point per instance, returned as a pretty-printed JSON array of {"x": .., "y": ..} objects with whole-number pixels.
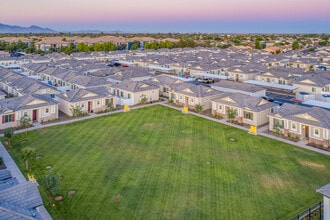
[{"x": 222, "y": 16}]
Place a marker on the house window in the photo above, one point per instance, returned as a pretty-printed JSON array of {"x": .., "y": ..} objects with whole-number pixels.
[
  {"x": 248, "y": 115},
  {"x": 121, "y": 94},
  {"x": 313, "y": 89},
  {"x": 181, "y": 97},
  {"x": 220, "y": 107},
  {"x": 272, "y": 110},
  {"x": 25, "y": 114},
  {"x": 98, "y": 102},
  {"x": 278, "y": 123},
  {"x": 293, "y": 126},
  {"x": 129, "y": 95},
  {"x": 316, "y": 132},
  {"x": 192, "y": 100},
  {"x": 47, "y": 110},
  {"x": 8, "y": 118},
  {"x": 82, "y": 105}
]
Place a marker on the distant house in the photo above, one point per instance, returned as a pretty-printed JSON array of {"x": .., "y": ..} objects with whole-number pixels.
[
  {"x": 247, "y": 89},
  {"x": 250, "y": 110},
  {"x": 311, "y": 124},
  {"x": 165, "y": 83},
  {"x": 131, "y": 93},
  {"x": 89, "y": 100},
  {"x": 18, "y": 85},
  {"x": 38, "y": 108}
]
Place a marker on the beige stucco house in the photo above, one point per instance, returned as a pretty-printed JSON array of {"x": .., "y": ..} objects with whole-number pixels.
[
  {"x": 130, "y": 92},
  {"x": 305, "y": 123},
  {"x": 250, "y": 110},
  {"x": 38, "y": 108},
  {"x": 190, "y": 95},
  {"x": 91, "y": 100}
]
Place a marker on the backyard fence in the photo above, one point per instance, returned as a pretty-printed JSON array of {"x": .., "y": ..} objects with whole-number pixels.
[{"x": 314, "y": 212}]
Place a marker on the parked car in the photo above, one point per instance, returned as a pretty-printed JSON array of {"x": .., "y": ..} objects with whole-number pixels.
[
  {"x": 279, "y": 103},
  {"x": 270, "y": 99},
  {"x": 205, "y": 80}
]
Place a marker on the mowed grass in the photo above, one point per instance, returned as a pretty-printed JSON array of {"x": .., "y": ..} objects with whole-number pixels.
[{"x": 163, "y": 164}]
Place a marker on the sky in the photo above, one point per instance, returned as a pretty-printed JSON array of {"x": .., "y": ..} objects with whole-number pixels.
[{"x": 206, "y": 16}]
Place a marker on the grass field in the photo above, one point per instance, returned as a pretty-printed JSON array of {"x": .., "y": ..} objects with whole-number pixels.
[{"x": 163, "y": 164}]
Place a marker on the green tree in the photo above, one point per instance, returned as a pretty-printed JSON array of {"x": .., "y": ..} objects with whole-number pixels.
[
  {"x": 82, "y": 47},
  {"x": 295, "y": 45},
  {"x": 76, "y": 111},
  {"x": 169, "y": 44},
  {"x": 323, "y": 43},
  {"x": 143, "y": 99},
  {"x": 231, "y": 114},
  {"x": 51, "y": 182},
  {"x": 199, "y": 108},
  {"x": 25, "y": 121},
  {"x": 27, "y": 154},
  {"x": 8, "y": 133},
  {"x": 31, "y": 49},
  {"x": 257, "y": 44},
  {"x": 135, "y": 45}
]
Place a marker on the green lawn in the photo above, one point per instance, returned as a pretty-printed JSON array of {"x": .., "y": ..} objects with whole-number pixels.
[{"x": 163, "y": 164}]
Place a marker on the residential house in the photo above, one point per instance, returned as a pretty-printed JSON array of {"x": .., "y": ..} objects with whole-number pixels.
[
  {"x": 249, "y": 110},
  {"x": 37, "y": 107},
  {"x": 131, "y": 92},
  {"x": 247, "y": 89},
  {"x": 90, "y": 100},
  {"x": 165, "y": 83},
  {"x": 18, "y": 85},
  {"x": 191, "y": 95},
  {"x": 304, "y": 123},
  {"x": 314, "y": 87}
]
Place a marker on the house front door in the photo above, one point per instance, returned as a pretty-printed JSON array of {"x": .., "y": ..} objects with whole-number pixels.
[
  {"x": 89, "y": 106},
  {"x": 34, "y": 115},
  {"x": 306, "y": 131}
]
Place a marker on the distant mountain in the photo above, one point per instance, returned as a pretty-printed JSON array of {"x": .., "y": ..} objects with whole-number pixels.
[
  {"x": 6, "y": 29},
  {"x": 96, "y": 32}
]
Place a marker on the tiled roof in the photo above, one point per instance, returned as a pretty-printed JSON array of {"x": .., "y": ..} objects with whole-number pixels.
[
  {"x": 237, "y": 86},
  {"x": 244, "y": 101},
  {"x": 325, "y": 190},
  {"x": 78, "y": 95},
  {"x": 24, "y": 195},
  {"x": 132, "y": 86},
  {"x": 320, "y": 117},
  {"x": 20, "y": 103}
]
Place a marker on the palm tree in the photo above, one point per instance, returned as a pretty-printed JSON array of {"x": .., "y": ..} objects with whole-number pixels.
[{"x": 28, "y": 154}]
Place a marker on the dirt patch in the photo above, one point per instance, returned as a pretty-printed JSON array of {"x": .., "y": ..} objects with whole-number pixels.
[
  {"x": 311, "y": 164},
  {"x": 269, "y": 181},
  {"x": 185, "y": 141},
  {"x": 58, "y": 198},
  {"x": 72, "y": 192},
  {"x": 150, "y": 125}
]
